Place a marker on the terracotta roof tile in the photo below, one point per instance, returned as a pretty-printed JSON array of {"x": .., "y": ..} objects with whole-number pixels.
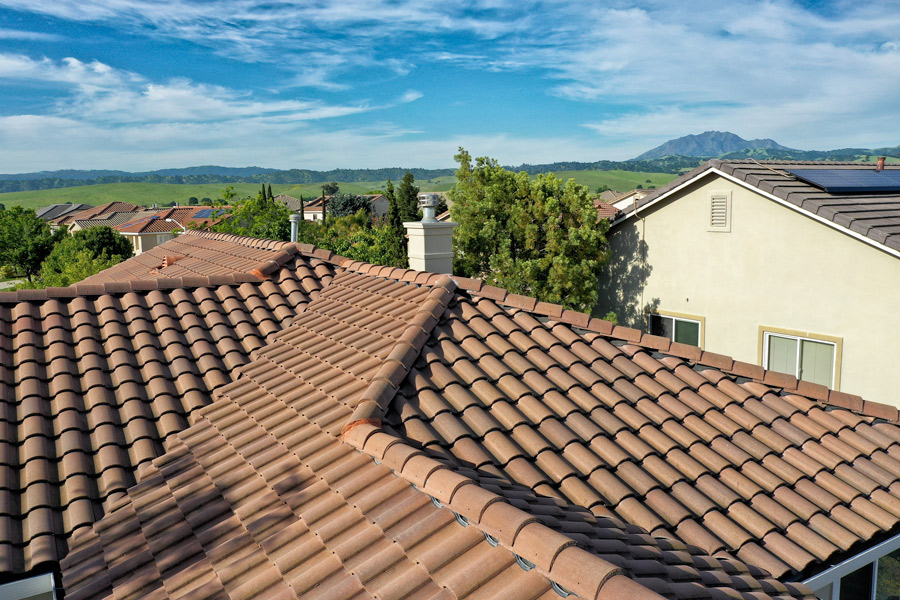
[{"x": 516, "y": 426}]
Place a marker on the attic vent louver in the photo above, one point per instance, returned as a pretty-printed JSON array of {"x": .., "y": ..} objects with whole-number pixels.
[{"x": 720, "y": 212}]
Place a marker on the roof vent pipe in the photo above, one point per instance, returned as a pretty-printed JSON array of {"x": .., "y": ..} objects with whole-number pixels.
[
  {"x": 880, "y": 165},
  {"x": 295, "y": 225},
  {"x": 429, "y": 203}
]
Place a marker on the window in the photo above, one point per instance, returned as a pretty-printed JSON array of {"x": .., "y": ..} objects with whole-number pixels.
[
  {"x": 677, "y": 329},
  {"x": 720, "y": 212},
  {"x": 805, "y": 358},
  {"x": 163, "y": 238}
]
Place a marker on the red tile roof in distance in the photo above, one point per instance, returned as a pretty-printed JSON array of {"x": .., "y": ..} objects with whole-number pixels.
[
  {"x": 614, "y": 464},
  {"x": 184, "y": 215}
]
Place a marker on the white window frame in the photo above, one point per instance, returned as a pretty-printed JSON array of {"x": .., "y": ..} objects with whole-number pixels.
[
  {"x": 833, "y": 575},
  {"x": 39, "y": 586},
  {"x": 700, "y": 321},
  {"x": 835, "y": 361}
]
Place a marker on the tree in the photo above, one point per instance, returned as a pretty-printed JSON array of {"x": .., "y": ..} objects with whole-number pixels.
[
  {"x": 349, "y": 204},
  {"x": 302, "y": 216},
  {"x": 539, "y": 237},
  {"x": 271, "y": 197},
  {"x": 330, "y": 189},
  {"x": 26, "y": 240},
  {"x": 408, "y": 199},
  {"x": 83, "y": 254},
  {"x": 395, "y": 234},
  {"x": 256, "y": 217},
  {"x": 193, "y": 201}
]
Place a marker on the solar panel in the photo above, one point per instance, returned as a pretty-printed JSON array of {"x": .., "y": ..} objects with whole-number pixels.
[
  {"x": 206, "y": 213},
  {"x": 849, "y": 181}
]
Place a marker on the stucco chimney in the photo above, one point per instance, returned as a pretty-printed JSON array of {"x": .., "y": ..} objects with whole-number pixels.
[
  {"x": 430, "y": 241},
  {"x": 880, "y": 165},
  {"x": 295, "y": 225}
]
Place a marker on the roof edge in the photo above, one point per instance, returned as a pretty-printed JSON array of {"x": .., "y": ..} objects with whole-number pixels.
[{"x": 555, "y": 555}]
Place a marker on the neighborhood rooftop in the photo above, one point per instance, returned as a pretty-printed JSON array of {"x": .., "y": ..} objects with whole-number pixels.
[{"x": 231, "y": 417}]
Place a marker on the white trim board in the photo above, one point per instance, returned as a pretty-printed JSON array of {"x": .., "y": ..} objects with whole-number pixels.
[
  {"x": 753, "y": 188},
  {"x": 853, "y": 563}
]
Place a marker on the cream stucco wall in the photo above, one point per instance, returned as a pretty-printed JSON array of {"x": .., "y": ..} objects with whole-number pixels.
[{"x": 776, "y": 268}]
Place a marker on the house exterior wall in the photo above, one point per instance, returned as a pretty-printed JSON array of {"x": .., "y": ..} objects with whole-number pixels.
[
  {"x": 380, "y": 206},
  {"x": 135, "y": 243},
  {"x": 776, "y": 269}
]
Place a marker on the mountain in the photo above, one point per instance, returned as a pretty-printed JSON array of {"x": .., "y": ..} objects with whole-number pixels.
[
  {"x": 709, "y": 144},
  {"x": 97, "y": 174}
]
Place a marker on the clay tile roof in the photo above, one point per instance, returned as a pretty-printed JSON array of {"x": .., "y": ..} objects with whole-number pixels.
[
  {"x": 605, "y": 210},
  {"x": 399, "y": 431},
  {"x": 873, "y": 215},
  {"x": 95, "y": 382}
]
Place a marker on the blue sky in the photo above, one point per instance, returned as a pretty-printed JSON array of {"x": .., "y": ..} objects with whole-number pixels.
[{"x": 148, "y": 84}]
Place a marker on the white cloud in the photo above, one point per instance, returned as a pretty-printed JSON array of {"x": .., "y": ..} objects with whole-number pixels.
[
  {"x": 31, "y": 36},
  {"x": 410, "y": 96}
]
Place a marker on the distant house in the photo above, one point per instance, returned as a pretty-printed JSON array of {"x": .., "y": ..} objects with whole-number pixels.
[
  {"x": 626, "y": 200},
  {"x": 312, "y": 210},
  {"x": 757, "y": 261},
  {"x": 155, "y": 228},
  {"x": 609, "y": 196},
  {"x": 93, "y": 212},
  {"x": 605, "y": 210},
  {"x": 109, "y": 219}
]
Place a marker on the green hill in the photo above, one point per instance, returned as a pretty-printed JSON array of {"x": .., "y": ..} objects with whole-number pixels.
[{"x": 147, "y": 194}]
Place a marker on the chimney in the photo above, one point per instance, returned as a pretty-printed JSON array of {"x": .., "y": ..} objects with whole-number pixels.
[
  {"x": 430, "y": 240},
  {"x": 880, "y": 165},
  {"x": 295, "y": 225}
]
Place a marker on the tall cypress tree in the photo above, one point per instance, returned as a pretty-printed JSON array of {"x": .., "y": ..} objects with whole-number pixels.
[
  {"x": 395, "y": 232},
  {"x": 271, "y": 197},
  {"x": 302, "y": 216},
  {"x": 408, "y": 199}
]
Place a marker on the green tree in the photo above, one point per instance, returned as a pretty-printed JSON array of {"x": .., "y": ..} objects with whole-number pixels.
[
  {"x": 83, "y": 254},
  {"x": 330, "y": 189},
  {"x": 193, "y": 201},
  {"x": 270, "y": 192},
  {"x": 395, "y": 233},
  {"x": 302, "y": 216},
  {"x": 342, "y": 204},
  {"x": 539, "y": 237},
  {"x": 256, "y": 217},
  {"x": 408, "y": 199},
  {"x": 26, "y": 240}
]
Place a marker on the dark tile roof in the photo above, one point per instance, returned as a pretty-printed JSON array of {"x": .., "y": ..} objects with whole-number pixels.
[
  {"x": 53, "y": 211},
  {"x": 618, "y": 464},
  {"x": 875, "y": 216}
]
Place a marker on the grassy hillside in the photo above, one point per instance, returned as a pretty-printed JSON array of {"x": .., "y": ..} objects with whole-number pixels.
[{"x": 163, "y": 193}]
